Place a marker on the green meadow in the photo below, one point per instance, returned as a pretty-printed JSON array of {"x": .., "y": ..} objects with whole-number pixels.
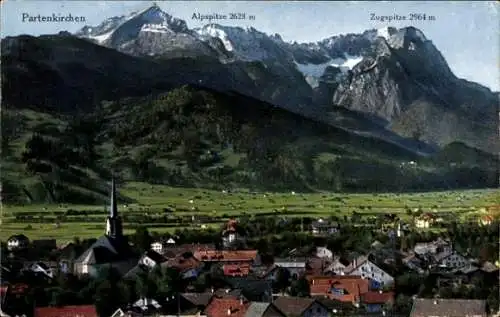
[{"x": 160, "y": 205}]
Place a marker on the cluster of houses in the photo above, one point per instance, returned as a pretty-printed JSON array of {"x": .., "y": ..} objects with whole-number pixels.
[{"x": 363, "y": 285}]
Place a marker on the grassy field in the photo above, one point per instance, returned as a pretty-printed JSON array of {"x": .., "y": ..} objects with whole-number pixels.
[{"x": 151, "y": 200}]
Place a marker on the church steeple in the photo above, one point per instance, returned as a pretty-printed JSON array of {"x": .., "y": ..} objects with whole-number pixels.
[
  {"x": 113, "y": 210},
  {"x": 113, "y": 222}
]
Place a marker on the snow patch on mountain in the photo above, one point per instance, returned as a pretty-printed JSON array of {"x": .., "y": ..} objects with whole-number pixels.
[
  {"x": 102, "y": 38},
  {"x": 312, "y": 72},
  {"x": 384, "y": 32},
  {"x": 213, "y": 31},
  {"x": 245, "y": 43},
  {"x": 156, "y": 28},
  {"x": 349, "y": 62}
]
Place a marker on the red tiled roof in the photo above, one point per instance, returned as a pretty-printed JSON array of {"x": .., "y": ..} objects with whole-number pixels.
[
  {"x": 224, "y": 307},
  {"x": 487, "y": 218},
  {"x": 226, "y": 256},
  {"x": 236, "y": 269},
  {"x": 377, "y": 297},
  {"x": 353, "y": 287},
  {"x": 66, "y": 311},
  {"x": 182, "y": 263}
]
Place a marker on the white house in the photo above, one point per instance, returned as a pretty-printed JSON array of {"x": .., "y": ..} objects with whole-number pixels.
[
  {"x": 151, "y": 259},
  {"x": 425, "y": 221},
  {"x": 17, "y": 242},
  {"x": 363, "y": 267},
  {"x": 324, "y": 227},
  {"x": 160, "y": 246}
]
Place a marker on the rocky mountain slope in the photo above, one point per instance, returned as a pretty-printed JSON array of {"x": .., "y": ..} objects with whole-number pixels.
[{"x": 398, "y": 77}]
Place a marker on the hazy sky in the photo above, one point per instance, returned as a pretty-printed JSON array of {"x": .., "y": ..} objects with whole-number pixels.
[{"x": 467, "y": 33}]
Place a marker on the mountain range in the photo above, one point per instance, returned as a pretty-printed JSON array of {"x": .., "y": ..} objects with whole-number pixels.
[{"x": 387, "y": 88}]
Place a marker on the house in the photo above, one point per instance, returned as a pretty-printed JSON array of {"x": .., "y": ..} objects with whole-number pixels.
[
  {"x": 337, "y": 266},
  {"x": 375, "y": 302},
  {"x": 110, "y": 250},
  {"x": 296, "y": 266},
  {"x": 316, "y": 266},
  {"x": 192, "y": 303},
  {"x": 425, "y": 220},
  {"x": 323, "y": 252},
  {"x": 236, "y": 269},
  {"x": 160, "y": 246},
  {"x": 173, "y": 250},
  {"x": 227, "y": 307},
  {"x": 254, "y": 289},
  {"x": 228, "y": 256},
  {"x": 362, "y": 266},
  {"x": 412, "y": 262},
  {"x": 346, "y": 289},
  {"x": 354, "y": 290},
  {"x": 258, "y": 309},
  {"x": 149, "y": 260},
  {"x": 233, "y": 234},
  {"x": 485, "y": 220},
  {"x": 423, "y": 307},
  {"x": 17, "y": 242},
  {"x": 324, "y": 227},
  {"x": 186, "y": 264},
  {"x": 428, "y": 249},
  {"x": 41, "y": 268},
  {"x": 66, "y": 311},
  {"x": 450, "y": 260},
  {"x": 301, "y": 307}
]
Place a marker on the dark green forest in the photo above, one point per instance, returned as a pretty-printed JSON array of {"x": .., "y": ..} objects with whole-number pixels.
[{"x": 201, "y": 138}]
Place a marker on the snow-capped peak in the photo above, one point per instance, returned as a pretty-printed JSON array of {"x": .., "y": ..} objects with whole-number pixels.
[
  {"x": 217, "y": 31},
  {"x": 151, "y": 19},
  {"x": 386, "y": 32},
  {"x": 247, "y": 44},
  {"x": 383, "y": 32}
]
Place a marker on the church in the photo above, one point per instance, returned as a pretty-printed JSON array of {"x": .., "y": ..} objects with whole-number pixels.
[{"x": 110, "y": 250}]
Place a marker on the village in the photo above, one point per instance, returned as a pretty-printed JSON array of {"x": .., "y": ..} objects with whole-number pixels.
[{"x": 328, "y": 269}]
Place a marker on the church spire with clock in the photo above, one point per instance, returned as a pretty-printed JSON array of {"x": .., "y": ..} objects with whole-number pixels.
[{"x": 113, "y": 222}]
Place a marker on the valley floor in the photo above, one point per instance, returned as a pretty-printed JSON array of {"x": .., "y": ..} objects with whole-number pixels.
[{"x": 166, "y": 209}]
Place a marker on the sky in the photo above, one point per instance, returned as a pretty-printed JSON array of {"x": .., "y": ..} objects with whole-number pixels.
[{"x": 466, "y": 32}]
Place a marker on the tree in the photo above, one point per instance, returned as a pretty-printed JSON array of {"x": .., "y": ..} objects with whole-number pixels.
[
  {"x": 282, "y": 281},
  {"x": 300, "y": 288},
  {"x": 142, "y": 239},
  {"x": 146, "y": 286}
]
